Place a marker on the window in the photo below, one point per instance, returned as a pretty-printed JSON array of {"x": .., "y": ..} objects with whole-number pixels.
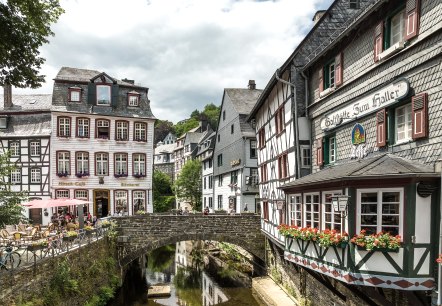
[
  {"x": 265, "y": 208},
  {"x": 34, "y": 148},
  {"x": 74, "y": 94},
  {"x": 139, "y": 164},
  {"x": 120, "y": 164},
  {"x": 354, "y": 4},
  {"x": 220, "y": 160},
  {"x": 210, "y": 202},
  {"x": 306, "y": 157},
  {"x": 234, "y": 177},
  {"x": 103, "y": 130},
  {"x": 210, "y": 163},
  {"x": 261, "y": 138},
  {"x": 263, "y": 173},
  {"x": 103, "y": 95},
  {"x": 329, "y": 75},
  {"x": 35, "y": 175},
  {"x": 232, "y": 129},
  {"x": 62, "y": 194},
  {"x": 210, "y": 182},
  {"x": 254, "y": 176},
  {"x": 403, "y": 123},
  {"x": 139, "y": 200},
  {"x": 279, "y": 120},
  {"x": 395, "y": 29},
  {"x": 224, "y": 115},
  {"x": 3, "y": 122},
  {"x": 380, "y": 210},
  {"x": 220, "y": 180},
  {"x": 253, "y": 149},
  {"x": 64, "y": 127},
  {"x": 220, "y": 202},
  {"x": 331, "y": 218},
  {"x": 219, "y": 137},
  {"x": 83, "y": 127},
  {"x": 205, "y": 183},
  {"x": 63, "y": 163},
  {"x": 16, "y": 176},
  {"x": 205, "y": 202},
  {"x": 295, "y": 210},
  {"x": 133, "y": 99},
  {"x": 330, "y": 153},
  {"x": 14, "y": 148},
  {"x": 121, "y": 201},
  {"x": 101, "y": 164},
  {"x": 140, "y": 130},
  {"x": 122, "y": 130},
  {"x": 311, "y": 210},
  {"x": 81, "y": 194},
  {"x": 283, "y": 166},
  {"x": 82, "y": 163}
]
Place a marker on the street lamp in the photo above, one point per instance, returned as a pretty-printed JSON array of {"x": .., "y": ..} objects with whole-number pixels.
[{"x": 340, "y": 204}]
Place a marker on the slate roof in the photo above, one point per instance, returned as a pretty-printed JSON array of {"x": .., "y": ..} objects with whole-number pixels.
[
  {"x": 246, "y": 128},
  {"x": 243, "y": 100},
  {"x": 27, "y": 125},
  {"x": 41, "y": 102},
  {"x": 202, "y": 148},
  {"x": 165, "y": 148},
  {"x": 380, "y": 166}
]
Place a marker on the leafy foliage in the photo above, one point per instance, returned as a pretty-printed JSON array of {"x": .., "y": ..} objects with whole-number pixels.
[
  {"x": 162, "y": 128},
  {"x": 163, "y": 198},
  {"x": 10, "y": 208},
  {"x": 25, "y": 26},
  {"x": 186, "y": 125},
  {"x": 188, "y": 185},
  {"x": 162, "y": 258}
]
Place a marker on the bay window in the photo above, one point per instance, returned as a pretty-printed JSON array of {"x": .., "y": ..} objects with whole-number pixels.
[
  {"x": 311, "y": 210},
  {"x": 331, "y": 218},
  {"x": 295, "y": 210}
]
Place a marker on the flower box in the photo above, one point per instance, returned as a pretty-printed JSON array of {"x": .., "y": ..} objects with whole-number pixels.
[
  {"x": 139, "y": 175},
  {"x": 69, "y": 238},
  {"x": 120, "y": 175},
  {"x": 62, "y": 174},
  {"x": 79, "y": 175},
  {"x": 89, "y": 232},
  {"x": 35, "y": 247},
  {"x": 384, "y": 250}
]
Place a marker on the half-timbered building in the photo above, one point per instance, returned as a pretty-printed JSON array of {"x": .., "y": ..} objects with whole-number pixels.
[
  {"x": 371, "y": 71},
  {"x": 25, "y": 129},
  {"x": 102, "y": 142},
  {"x": 235, "y": 154}
]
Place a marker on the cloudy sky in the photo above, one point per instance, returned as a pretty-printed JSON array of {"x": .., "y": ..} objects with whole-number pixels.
[{"x": 185, "y": 51}]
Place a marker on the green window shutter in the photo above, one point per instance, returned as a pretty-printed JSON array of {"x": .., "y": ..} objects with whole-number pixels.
[
  {"x": 91, "y": 93},
  {"x": 115, "y": 95},
  {"x": 387, "y": 34}
]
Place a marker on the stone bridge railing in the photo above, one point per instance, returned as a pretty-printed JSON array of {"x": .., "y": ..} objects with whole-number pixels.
[{"x": 138, "y": 235}]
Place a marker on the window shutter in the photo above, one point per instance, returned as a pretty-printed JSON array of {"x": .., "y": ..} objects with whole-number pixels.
[
  {"x": 91, "y": 93},
  {"x": 419, "y": 115},
  {"x": 378, "y": 40},
  {"x": 319, "y": 152},
  {"x": 321, "y": 80},
  {"x": 338, "y": 69},
  {"x": 411, "y": 19},
  {"x": 381, "y": 124},
  {"x": 114, "y": 93}
]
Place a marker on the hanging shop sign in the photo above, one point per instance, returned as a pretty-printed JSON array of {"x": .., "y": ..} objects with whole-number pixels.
[
  {"x": 368, "y": 104},
  {"x": 359, "y": 149},
  {"x": 235, "y": 162}
]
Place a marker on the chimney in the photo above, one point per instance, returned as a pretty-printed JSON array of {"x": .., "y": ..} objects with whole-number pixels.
[
  {"x": 129, "y": 81},
  {"x": 252, "y": 84},
  {"x": 318, "y": 15},
  {"x": 7, "y": 95}
]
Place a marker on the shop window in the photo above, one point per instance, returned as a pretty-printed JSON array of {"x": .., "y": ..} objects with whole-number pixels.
[
  {"x": 380, "y": 210},
  {"x": 122, "y": 131},
  {"x": 140, "y": 131},
  {"x": 220, "y": 160},
  {"x": 103, "y": 129},
  {"x": 81, "y": 194},
  {"x": 120, "y": 164},
  {"x": 14, "y": 148},
  {"x": 261, "y": 138},
  {"x": 64, "y": 127},
  {"x": 279, "y": 120},
  {"x": 253, "y": 149},
  {"x": 311, "y": 210},
  {"x": 265, "y": 210},
  {"x": 331, "y": 218},
  {"x": 35, "y": 175},
  {"x": 83, "y": 127},
  {"x": 101, "y": 164},
  {"x": 61, "y": 194},
  {"x": 295, "y": 210},
  {"x": 63, "y": 163},
  {"x": 103, "y": 94},
  {"x": 220, "y": 202},
  {"x": 306, "y": 157},
  {"x": 139, "y": 200},
  {"x": 121, "y": 202},
  {"x": 263, "y": 173},
  {"x": 283, "y": 166},
  {"x": 15, "y": 176},
  {"x": 74, "y": 94},
  {"x": 34, "y": 148}
]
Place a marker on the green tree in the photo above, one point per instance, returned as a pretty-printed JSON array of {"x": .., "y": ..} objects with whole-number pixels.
[
  {"x": 163, "y": 198},
  {"x": 184, "y": 126},
  {"x": 162, "y": 128},
  {"x": 10, "y": 207},
  {"x": 25, "y": 26},
  {"x": 188, "y": 185},
  {"x": 211, "y": 113}
]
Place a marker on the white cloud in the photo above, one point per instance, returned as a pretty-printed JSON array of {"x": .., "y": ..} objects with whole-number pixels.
[{"x": 185, "y": 51}]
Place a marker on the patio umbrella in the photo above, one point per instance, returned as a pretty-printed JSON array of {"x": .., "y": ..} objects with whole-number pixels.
[{"x": 48, "y": 203}]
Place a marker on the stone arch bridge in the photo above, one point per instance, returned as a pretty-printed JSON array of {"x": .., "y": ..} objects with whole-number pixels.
[{"x": 138, "y": 235}]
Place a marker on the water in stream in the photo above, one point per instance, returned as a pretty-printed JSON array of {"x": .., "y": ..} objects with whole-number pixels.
[{"x": 173, "y": 265}]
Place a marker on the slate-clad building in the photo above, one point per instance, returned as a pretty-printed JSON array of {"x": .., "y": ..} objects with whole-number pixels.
[
  {"x": 102, "y": 142},
  {"x": 235, "y": 154},
  {"x": 205, "y": 155},
  {"x": 367, "y": 78},
  {"x": 25, "y": 129},
  {"x": 164, "y": 159}
]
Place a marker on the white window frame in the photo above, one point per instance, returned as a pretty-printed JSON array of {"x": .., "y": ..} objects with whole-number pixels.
[
  {"x": 108, "y": 93},
  {"x": 134, "y": 100},
  {"x": 139, "y": 161},
  {"x": 122, "y": 130},
  {"x": 140, "y": 131},
  {"x": 333, "y": 214},
  {"x": 74, "y": 94},
  {"x": 406, "y": 126},
  {"x": 3, "y": 122},
  {"x": 63, "y": 162},
  {"x": 16, "y": 176},
  {"x": 332, "y": 149},
  {"x": 397, "y": 28},
  {"x": 313, "y": 222},
  {"x": 102, "y": 164},
  {"x": 64, "y": 127},
  {"x": 306, "y": 157},
  {"x": 81, "y": 194},
  {"x": 295, "y": 206},
  {"x": 34, "y": 148},
  {"x": 82, "y": 159},
  {"x": 139, "y": 195},
  {"x": 121, "y": 200},
  {"x": 121, "y": 160},
  {"x": 379, "y": 192},
  {"x": 83, "y": 127},
  {"x": 14, "y": 148},
  {"x": 62, "y": 194},
  {"x": 35, "y": 176}
]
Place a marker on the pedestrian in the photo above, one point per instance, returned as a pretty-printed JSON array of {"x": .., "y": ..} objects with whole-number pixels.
[
  {"x": 180, "y": 211},
  {"x": 245, "y": 208},
  {"x": 206, "y": 210}
]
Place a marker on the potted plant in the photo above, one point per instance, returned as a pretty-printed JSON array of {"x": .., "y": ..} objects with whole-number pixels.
[
  {"x": 332, "y": 237},
  {"x": 382, "y": 241},
  {"x": 88, "y": 229},
  {"x": 37, "y": 245},
  {"x": 70, "y": 235},
  {"x": 141, "y": 212},
  {"x": 105, "y": 224}
]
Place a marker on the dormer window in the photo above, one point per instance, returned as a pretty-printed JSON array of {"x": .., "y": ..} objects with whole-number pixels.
[
  {"x": 133, "y": 99},
  {"x": 3, "y": 122},
  {"x": 103, "y": 95},
  {"x": 74, "y": 94},
  {"x": 354, "y": 4}
]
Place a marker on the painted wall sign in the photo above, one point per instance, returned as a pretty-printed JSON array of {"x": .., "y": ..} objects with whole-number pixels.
[
  {"x": 129, "y": 185},
  {"x": 235, "y": 162},
  {"x": 71, "y": 183},
  {"x": 358, "y": 134},
  {"x": 368, "y": 104}
]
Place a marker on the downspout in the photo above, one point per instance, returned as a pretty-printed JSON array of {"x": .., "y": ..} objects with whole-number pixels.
[
  {"x": 297, "y": 157},
  {"x": 439, "y": 268}
]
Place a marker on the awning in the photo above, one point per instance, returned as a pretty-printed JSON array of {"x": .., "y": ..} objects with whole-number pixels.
[{"x": 48, "y": 203}]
